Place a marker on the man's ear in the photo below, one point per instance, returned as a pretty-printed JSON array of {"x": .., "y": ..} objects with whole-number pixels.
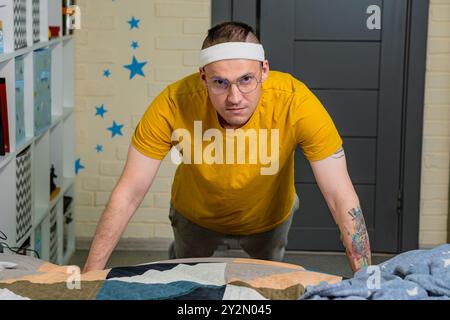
[
  {"x": 265, "y": 70},
  {"x": 201, "y": 72}
]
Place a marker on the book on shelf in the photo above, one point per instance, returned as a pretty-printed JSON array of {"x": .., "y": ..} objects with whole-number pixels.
[
  {"x": 2, "y": 141},
  {"x": 23, "y": 194},
  {"x": 53, "y": 235},
  {"x": 36, "y": 20},
  {"x": 38, "y": 240},
  {"x": 68, "y": 17},
  {"x": 20, "y": 24},
  {"x": 42, "y": 92},
  {"x": 20, "y": 99},
  {"x": 4, "y": 111},
  {"x": 53, "y": 32},
  {"x": 2, "y": 44}
]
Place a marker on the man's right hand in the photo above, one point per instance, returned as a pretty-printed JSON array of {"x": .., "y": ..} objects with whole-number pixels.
[{"x": 133, "y": 185}]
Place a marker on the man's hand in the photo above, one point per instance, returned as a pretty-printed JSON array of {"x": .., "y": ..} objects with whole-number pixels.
[
  {"x": 125, "y": 199},
  {"x": 332, "y": 177}
]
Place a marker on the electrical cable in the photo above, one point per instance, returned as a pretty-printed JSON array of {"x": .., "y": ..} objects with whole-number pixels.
[{"x": 15, "y": 250}]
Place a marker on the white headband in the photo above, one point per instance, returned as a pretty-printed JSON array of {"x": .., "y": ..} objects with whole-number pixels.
[{"x": 232, "y": 50}]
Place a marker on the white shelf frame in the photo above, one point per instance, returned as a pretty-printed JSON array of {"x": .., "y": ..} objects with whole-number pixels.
[{"x": 61, "y": 129}]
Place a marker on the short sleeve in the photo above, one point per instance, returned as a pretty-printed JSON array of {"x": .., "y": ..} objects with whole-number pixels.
[
  {"x": 152, "y": 136},
  {"x": 314, "y": 130}
]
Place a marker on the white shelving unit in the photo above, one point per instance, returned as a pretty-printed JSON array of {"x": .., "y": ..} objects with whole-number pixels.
[{"x": 55, "y": 146}]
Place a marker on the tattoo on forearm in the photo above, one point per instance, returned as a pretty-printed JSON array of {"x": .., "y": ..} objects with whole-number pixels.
[
  {"x": 360, "y": 247},
  {"x": 338, "y": 154}
]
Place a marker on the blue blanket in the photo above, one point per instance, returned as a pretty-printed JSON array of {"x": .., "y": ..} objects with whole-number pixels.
[{"x": 413, "y": 275}]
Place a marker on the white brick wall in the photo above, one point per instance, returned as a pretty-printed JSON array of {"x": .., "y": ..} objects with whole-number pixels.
[
  {"x": 436, "y": 141},
  {"x": 170, "y": 35},
  {"x": 182, "y": 10}
]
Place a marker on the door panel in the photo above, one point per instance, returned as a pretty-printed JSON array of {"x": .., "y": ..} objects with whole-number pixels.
[
  {"x": 337, "y": 65},
  {"x": 313, "y": 208},
  {"x": 313, "y": 226},
  {"x": 344, "y": 106},
  {"x": 357, "y": 74},
  {"x": 361, "y": 162},
  {"x": 333, "y": 20}
]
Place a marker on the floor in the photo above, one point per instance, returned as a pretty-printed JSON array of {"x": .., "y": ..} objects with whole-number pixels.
[{"x": 331, "y": 263}]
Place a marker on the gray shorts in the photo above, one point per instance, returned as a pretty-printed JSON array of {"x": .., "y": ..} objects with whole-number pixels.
[{"x": 193, "y": 241}]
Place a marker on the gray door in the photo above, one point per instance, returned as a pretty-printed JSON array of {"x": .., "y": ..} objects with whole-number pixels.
[{"x": 358, "y": 74}]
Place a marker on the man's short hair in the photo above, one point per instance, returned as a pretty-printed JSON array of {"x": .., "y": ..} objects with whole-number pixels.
[{"x": 230, "y": 32}]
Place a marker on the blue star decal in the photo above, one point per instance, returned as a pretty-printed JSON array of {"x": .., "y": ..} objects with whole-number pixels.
[
  {"x": 136, "y": 68},
  {"x": 106, "y": 73},
  {"x": 116, "y": 129},
  {"x": 101, "y": 111},
  {"x": 99, "y": 148},
  {"x": 134, "y": 23},
  {"x": 78, "y": 166},
  {"x": 134, "y": 45}
]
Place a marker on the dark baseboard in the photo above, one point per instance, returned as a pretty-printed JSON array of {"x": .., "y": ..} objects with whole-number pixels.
[{"x": 125, "y": 244}]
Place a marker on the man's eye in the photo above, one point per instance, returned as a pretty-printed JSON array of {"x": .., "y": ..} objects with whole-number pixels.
[
  {"x": 220, "y": 82},
  {"x": 246, "y": 80}
]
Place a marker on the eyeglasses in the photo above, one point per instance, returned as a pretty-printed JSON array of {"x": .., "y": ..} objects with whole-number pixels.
[{"x": 246, "y": 84}]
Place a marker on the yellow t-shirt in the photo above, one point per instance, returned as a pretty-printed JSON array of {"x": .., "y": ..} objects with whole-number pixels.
[{"x": 236, "y": 198}]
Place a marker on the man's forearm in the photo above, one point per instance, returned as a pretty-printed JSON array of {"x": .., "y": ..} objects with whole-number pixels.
[
  {"x": 355, "y": 238},
  {"x": 111, "y": 226},
  {"x": 335, "y": 183}
]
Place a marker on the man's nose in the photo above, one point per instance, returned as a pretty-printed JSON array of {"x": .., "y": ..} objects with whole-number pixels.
[{"x": 234, "y": 95}]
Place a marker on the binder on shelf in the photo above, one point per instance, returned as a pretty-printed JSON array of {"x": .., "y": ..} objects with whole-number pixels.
[
  {"x": 4, "y": 111},
  {"x": 53, "y": 235},
  {"x": 38, "y": 240},
  {"x": 42, "y": 93},
  {"x": 67, "y": 18},
  {"x": 2, "y": 44},
  {"x": 2, "y": 141},
  {"x": 36, "y": 20},
  {"x": 20, "y": 24},
  {"x": 20, "y": 98},
  {"x": 33, "y": 222},
  {"x": 23, "y": 194}
]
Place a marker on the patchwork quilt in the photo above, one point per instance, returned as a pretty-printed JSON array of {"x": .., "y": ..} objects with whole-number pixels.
[{"x": 183, "y": 279}]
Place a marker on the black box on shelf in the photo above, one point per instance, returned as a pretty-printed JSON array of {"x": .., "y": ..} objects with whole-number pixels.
[{"x": 68, "y": 220}]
